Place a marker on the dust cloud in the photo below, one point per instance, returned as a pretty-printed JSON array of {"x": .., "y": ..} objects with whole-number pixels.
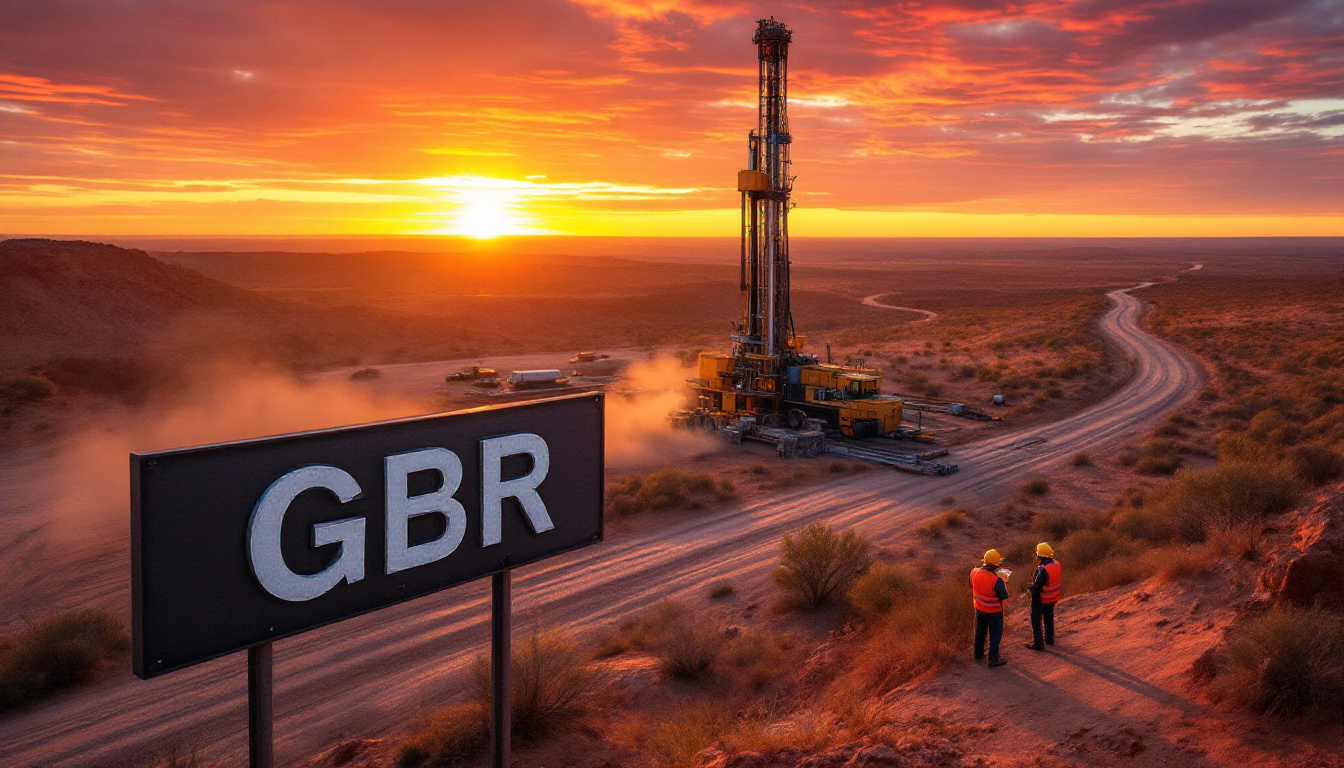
[
  {"x": 638, "y": 434},
  {"x": 87, "y": 487},
  {"x": 80, "y": 491}
]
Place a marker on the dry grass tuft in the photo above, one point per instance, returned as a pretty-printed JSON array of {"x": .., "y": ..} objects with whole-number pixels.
[
  {"x": 686, "y": 646},
  {"x": 666, "y": 489},
  {"x": 817, "y": 563},
  {"x": 1286, "y": 661},
  {"x": 1226, "y": 496},
  {"x": 878, "y": 591},
  {"x": 1316, "y": 464},
  {"x": 1080, "y": 459},
  {"x": 720, "y": 590},
  {"x": 450, "y": 737},
  {"x": 923, "y": 634},
  {"x": 61, "y": 651},
  {"x": 1037, "y": 486},
  {"x": 553, "y": 685}
]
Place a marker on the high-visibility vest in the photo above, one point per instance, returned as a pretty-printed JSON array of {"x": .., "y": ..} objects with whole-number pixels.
[
  {"x": 1050, "y": 592},
  {"x": 982, "y": 591}
]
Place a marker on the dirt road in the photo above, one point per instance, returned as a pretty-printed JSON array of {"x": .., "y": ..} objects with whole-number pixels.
[
  {"x": 872, "y": 301},
  {"x": 369, "y": 676}
]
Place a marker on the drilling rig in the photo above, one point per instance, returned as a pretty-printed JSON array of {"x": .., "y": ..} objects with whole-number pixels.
[{"x": 767, "y": 381}]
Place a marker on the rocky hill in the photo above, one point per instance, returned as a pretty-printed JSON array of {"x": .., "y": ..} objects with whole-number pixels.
[{"x": 71, "y": 308}]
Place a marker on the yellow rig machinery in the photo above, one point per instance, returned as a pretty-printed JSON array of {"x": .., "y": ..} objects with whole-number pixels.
[{"x": 768, "y": 378}]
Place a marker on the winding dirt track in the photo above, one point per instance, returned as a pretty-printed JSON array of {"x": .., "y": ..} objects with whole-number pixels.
[
  {"x": 872, "y": 301},
  {"x": 367, "y": 676}
]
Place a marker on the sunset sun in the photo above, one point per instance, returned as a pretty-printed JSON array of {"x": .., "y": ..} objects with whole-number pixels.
[{"x": 484, "y": 215}]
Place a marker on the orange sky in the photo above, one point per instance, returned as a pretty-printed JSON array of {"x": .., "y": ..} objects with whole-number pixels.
[{"x": 628, "y": 117}]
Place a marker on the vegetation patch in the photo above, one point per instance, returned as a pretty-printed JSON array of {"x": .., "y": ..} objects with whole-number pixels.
[
  {"x": 1286, "y": 661},
  {"x": 666, "y": 489},
  {"x": 818, "y": 564},
  {"x": 553, "y": 687},
  {"x": 61, "y": 651}
]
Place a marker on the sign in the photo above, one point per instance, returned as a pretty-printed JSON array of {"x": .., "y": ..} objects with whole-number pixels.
[{"x": 237, "y": 544}]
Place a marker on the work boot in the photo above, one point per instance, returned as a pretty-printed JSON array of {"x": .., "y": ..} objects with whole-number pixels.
[
  {"x": 998, "y": 662},
  {"x": 1033, "y": 647}
]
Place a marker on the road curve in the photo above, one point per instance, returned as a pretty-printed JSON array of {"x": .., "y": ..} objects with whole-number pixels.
[
  {"x": 369, "y": 676},
  {"x": 872, "y": 301}
]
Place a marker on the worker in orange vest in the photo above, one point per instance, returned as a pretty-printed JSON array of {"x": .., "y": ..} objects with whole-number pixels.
[
  {"x": 988, "y": 593},
  {"x": 1044, "y": 594}
]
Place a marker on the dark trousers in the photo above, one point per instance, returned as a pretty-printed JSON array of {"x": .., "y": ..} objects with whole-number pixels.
[
  {"x": 988, "y": 624},
  {"x": 1042, "y": 613}
]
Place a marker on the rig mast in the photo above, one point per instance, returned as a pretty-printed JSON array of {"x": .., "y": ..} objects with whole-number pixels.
[{"x": 767, "y": 321}]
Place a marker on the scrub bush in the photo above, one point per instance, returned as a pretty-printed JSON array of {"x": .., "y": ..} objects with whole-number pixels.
[
  {"x": 1037, "y": 486},
  {"x": 877, "y": 592},
  {"x": 818, "y": 563},
  {"x": 61, "y": 651},
  {"x": 666, "y": 489},
  {"x": 552, "y": 686},
  {"x": 688, "y": 647},
  {"x": 1316, "y": 465},
  {"x": 1056, "y": 524},
  {"x": 450, "y": 737},
  {"x": 1227, "y": 496},
  {"x": 1287, "y": 661},
  {"x": 925, "y": 634}
]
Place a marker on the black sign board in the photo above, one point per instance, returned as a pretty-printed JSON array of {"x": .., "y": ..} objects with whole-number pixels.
[{"x": 237, "y": 544}]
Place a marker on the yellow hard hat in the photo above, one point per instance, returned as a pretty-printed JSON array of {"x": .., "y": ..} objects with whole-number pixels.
[
  {"x": 1045, "y": 550},
  {"x": 992, "y": 557}
]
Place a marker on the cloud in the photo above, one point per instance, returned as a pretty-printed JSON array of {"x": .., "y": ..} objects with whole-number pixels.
[{"x": 1021, "y": 106}]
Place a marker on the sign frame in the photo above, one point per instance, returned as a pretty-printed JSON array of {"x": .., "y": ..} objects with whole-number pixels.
[{"x": 245, "y": 461}]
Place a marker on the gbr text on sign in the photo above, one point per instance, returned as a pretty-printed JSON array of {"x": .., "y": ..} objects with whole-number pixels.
[{"x": 237, "y": 544}]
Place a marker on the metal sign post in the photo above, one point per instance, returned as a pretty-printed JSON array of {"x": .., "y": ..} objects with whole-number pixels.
[
  {"x": 236, "y": 545},
  {"x": 501, "y": 672},
  {"x": 260, "y": 716}
]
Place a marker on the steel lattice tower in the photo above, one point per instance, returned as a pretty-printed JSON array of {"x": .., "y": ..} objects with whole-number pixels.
[{"x": 767, "y": 322}]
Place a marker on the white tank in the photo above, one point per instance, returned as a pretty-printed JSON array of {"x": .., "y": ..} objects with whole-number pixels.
[{"x": 541, "y": 376}]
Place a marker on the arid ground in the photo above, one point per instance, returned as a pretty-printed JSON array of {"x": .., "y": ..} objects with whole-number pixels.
[{"x": 177, "y": 347}]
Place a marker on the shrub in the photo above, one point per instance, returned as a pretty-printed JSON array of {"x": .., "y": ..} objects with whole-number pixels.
[
  {"x": 552, "y": 686},
  {"x": 1227, "y": 496},
  {"x": 875, "y": 593},
  {"x": 450, "y": 737},
  {"x": 687, "y": 647},
  {"x": 817, "y": 563},
  {"x": 927, "y": 633},
  {"x": 1105, "y": 574},
  {"x": 366, "y": 374},
  {"x": 666, "y": 489},
  {"x": 759, "y": 469},
  {"x": 1316, "y": 464},
  {"x": 1086, "y": 548},
  {"x": 1158, "y": 465},
  {"x": 1056, "y": 524},
  {"x": 1286, "y": 661},
  {"x": 1143, "y": 524},
  {"x": 755, "y": 660},
  {"x": 1080, "y": 459},
  {"x": 1234, "y": 447},
  {"x": 63, "y": 650},
  {"x": 1037, "y": 486},
  {"x": 676, "y": 740},
  {"x": 720, "y": 590},
  {"x": 932, "y": 528}
]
